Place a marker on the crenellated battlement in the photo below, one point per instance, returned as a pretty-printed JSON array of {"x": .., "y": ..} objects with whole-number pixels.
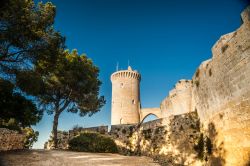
[{"x": 126, "y": 74}]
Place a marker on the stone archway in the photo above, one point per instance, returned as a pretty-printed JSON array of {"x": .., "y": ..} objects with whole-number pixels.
[
  {"x": 146, "y": 116},
  {"x": 149, "y": 111}
]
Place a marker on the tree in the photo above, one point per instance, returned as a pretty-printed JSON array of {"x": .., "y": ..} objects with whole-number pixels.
[
  {"x": 27, "y": 35},
  {"x": 71, "y": 85},
  {"x": 15, "y": 107}
]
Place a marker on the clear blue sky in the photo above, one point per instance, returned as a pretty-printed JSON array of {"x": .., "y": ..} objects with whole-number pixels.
[{"x": 164, "y": 40}]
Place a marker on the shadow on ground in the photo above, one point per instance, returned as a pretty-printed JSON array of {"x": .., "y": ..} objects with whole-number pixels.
[{"x": 67, "y": 158}]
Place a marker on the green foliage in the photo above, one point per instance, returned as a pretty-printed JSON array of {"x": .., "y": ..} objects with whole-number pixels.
[
  {"x": 10, "y": 124},
  {"x": 71, "y": 85},
  {"x": 27, "y": 38},
  {"x": 92, "y": 142},
  {"x": 31, "y": 137},
  {"x": 16, "y": 110},
  {"x": 203, "y": 147},
  {"x": 27, "y": 34},
  {"x": 33, "y": 53}
]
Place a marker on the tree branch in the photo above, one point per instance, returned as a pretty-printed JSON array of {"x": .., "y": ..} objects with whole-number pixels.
[{"x": 67, "y": 102}]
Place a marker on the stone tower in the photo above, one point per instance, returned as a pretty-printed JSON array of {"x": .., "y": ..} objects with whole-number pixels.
[{"x": 125, "y": 97}]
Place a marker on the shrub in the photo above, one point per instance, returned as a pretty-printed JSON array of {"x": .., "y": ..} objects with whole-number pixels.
[
  {"x": 92, "y": 142},
  {"x": 31, "y": 137}
]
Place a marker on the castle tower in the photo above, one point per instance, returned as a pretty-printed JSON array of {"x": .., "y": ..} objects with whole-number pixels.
[{"x": 125, "y": 97}]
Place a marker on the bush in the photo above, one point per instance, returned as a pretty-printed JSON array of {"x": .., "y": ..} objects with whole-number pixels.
[
  {"x": 31, "y": 137},
  {"x": 92, "y": 142}
]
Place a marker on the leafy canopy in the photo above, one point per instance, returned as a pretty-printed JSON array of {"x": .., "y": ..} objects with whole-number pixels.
[
  {"x": 14, "y": 106},
  {"x": 27, "y": 34},
  {"x": 72, "y": 84}
]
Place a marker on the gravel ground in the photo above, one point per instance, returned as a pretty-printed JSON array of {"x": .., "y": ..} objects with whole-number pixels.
[{"x": 67, "y": 158}]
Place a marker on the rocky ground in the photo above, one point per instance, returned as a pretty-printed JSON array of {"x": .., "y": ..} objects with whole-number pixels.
[{"x": 67, "y": 158}]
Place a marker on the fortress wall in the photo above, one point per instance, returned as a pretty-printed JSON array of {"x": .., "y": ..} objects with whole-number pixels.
[
  {"x": 221, "y": 96},
  {"x": 173, "y": 137},
  {"x": 179, "y": 99}
]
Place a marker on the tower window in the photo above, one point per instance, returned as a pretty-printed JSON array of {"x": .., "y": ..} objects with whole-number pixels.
[
  {"x": 133, "y": 101},
  {"x": 121, "y": 85}
]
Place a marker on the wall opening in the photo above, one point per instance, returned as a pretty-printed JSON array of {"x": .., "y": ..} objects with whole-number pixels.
[
  {"x": 121, "y": 121},
  {"x": 149, "y": 117}
]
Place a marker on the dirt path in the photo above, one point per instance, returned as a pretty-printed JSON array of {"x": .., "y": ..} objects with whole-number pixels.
[{"x": 67, "y": 158}]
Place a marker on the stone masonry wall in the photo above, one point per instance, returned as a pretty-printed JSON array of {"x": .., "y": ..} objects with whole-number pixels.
[
  {"x": 11, "y": 140},
  {"x": 174, "y": 137},
  {"x": 179, "y": 99},
  {"x": 221, "y": 96}
]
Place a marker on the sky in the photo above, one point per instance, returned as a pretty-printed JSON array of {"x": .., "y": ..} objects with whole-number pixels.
[{"x": 165, "y": 40}]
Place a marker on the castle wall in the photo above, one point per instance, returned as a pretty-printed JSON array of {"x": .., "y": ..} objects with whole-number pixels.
[
  {"x": 173, "y": 137},
  {"x": 179, "y": 99},
  {"x": 221, "y": 95}
]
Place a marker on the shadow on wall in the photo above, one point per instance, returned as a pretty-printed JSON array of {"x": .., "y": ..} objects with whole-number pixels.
[
  {"x": 218, "y": 151},
  {"x": 174, "y": 144},
  {"x": 184, "y": 132}
]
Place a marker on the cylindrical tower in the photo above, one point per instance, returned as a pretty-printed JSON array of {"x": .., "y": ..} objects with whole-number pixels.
[{"x": 125, "y": 97}]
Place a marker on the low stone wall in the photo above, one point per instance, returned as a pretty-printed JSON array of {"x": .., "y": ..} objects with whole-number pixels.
[
  {"x": 98, "y": 129},
  {"x": 65, "y": 136},
  {"x": 11, "y": 140},
  {"x": 172, "y": 137}
]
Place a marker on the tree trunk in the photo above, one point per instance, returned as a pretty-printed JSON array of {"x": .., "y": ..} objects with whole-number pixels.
[{"x": 55, "y": 124}]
